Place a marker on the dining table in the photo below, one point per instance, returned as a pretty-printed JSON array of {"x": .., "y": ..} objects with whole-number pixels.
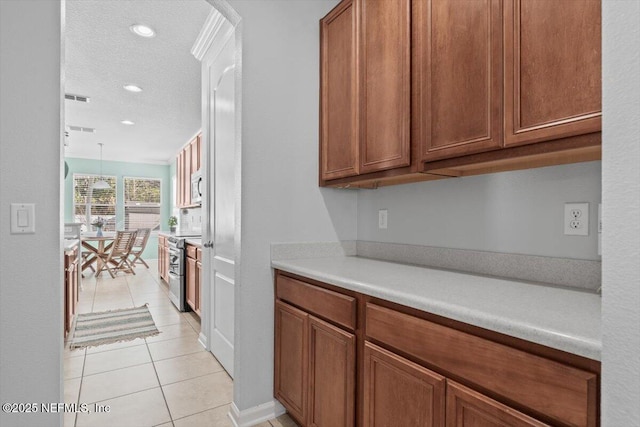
[{"x": 97, "y": 247}]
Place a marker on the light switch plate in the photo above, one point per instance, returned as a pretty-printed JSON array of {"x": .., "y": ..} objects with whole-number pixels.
[
  {"x": 23, "y": 218},
  {"x": 383, "y": 215}
]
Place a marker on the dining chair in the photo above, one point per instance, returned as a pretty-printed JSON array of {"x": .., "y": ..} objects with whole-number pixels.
[
  {"x": 117, "y": 258},
  {"x": 135, "y": 256}
]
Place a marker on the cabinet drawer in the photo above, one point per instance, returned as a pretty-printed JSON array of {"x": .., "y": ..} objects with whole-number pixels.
[
  {"x": 559, "y": 391},
  {"x": 330, "y": 305},
  {"x": 191, "y": 251}
]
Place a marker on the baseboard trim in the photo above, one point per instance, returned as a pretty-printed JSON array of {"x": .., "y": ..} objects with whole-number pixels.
[
  {"x": 202, "y": 339},
  {"x": 256, "y": 415}
]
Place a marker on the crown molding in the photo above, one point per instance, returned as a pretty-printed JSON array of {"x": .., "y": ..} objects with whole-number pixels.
[{"x": 214, "y": 33}]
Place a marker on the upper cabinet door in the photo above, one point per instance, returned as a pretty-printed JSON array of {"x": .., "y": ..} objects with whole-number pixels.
[
  {"x": 385, "y": 102},
  {"x": 457, "y": 66},
  {"x": 552, "y": 69},
  {"x": 339, "y": 93}
]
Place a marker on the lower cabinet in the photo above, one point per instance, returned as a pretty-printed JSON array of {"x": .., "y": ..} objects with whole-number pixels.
[
  {"x": 398, "y": 392},
  {"x": 70, "y": 288},
  {"x": 314, "y": 369},
  {"x": 332, "y": 357},
  {"x": 163, "y": 258},
  {"x": 468, "y": 408},
  {"x": 193, "y": 274},
  {"x": 416, "y": 369},
  {"x": 292, "y": 359},
  {"x": 198, "y": 285},
  {"x": 191, "y": 284}
]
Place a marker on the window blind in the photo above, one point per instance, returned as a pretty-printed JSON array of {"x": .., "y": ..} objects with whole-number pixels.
[
  {"x": 142, "y": 199},
  {"x": 90, "y": 204}
]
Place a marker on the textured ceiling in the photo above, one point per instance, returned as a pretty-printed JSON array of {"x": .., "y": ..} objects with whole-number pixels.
[{"x": 102, "y": 55}]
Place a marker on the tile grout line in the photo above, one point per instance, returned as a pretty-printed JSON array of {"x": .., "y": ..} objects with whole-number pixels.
[
  {"x": 84, "y": 362},
  {"x": 208, "y": 409},
  {"x": 153, "y": 363}
]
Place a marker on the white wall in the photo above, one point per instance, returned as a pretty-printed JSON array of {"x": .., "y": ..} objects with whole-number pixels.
[
  {"x": 621, "y": 214},
  {"x": 281, "y": 200},
  {"x": 514, "y": 212},
  {"x": 30, "y": 158}
]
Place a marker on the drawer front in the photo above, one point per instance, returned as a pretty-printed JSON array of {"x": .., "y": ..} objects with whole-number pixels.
[
  {"x": 330, "y": 305},
  {"x": 191, "y": 251},
  {"x": 199, "y": 254},
  {"x": 564, "y": 393}
]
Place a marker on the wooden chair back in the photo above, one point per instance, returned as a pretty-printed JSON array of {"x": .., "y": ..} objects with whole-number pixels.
[
  {"x": 119, "y": 254},
  {"x": 122, "y": 244},
  {"x": 142, "y": 237},
  {"x": 135, "y": 256}
]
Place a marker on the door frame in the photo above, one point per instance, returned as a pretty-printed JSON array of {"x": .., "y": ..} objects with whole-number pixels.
[{"x": 222, "y": 23}]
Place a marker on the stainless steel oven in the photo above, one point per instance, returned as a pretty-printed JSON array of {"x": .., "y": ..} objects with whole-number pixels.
[{"x": 176, "y": 273}]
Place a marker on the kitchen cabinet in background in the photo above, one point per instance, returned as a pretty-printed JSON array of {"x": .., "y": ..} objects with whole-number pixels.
[
  {"x": 198, "y": 279},
  {"x": 163, "y": 258},
  {"x": 70, "y": 287},
  {"x": 188, "y": 161},
  {"x": 415, "y": 90},
  {"x": 192, "y": 277}
]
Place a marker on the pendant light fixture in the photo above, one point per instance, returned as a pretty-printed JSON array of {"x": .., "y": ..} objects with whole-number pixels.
[{"x": 102, "y": 184}]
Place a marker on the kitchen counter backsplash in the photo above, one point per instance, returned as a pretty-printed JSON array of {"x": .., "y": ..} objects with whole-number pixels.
[{"x": 581, "y": 274}]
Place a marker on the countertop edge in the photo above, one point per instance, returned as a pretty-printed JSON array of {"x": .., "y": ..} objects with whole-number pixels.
[
  {"x": 580, "y": 346},
  {"x": 194, "y": 242},
  {"x": 70, "y": 244}
]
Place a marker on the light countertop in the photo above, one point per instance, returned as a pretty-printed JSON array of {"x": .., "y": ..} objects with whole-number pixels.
[
  {"x": 196, "y": 241},
  {"x": 560, "y": 318},
  {"x": 69, "y": 244}
]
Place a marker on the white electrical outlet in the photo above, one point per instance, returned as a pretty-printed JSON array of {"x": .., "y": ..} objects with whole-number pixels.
[
  {"x": 576, "y": 219},
  {"x": 383, "y": 215}
]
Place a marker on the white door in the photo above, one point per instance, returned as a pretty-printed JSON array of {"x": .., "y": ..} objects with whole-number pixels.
[{"x": 220, "y": 206}]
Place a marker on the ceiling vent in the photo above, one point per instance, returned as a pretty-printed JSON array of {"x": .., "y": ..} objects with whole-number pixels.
[
  {"x": 82, "y": 129},
  {"x": 78, "y": 98}
]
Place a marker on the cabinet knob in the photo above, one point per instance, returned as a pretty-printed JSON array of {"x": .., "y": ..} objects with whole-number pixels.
[{"x": 208, "y": 245}]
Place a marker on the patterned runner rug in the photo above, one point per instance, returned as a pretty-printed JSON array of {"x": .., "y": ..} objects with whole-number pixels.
[{"x": 107, "y": 327}]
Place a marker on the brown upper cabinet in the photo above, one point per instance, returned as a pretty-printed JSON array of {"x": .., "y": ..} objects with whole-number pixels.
[
  {"x": 385, "y": 67},
  {"x": 339, "y": 127},
  {"x": 188, "y": 161},
  {"x": 365, "y": 88},
  {"x": 457, "y": 60},
  {"x": 424, "y": 89},
  {"x": 553, "y": 82}
]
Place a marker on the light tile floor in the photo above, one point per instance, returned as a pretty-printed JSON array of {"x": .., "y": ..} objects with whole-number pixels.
[{"x": 166, "y": 380}]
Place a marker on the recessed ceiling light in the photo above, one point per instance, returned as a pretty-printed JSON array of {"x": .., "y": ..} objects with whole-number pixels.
[
  {"x": 127, "y": 122},
  {"x": 133, "y": 88},
  {"x": 142, "y": 30}
]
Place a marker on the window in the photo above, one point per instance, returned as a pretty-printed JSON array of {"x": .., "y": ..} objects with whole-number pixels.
[
  {"x": 141, "y": 203},
  {"x": 89, "y": 204}
]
